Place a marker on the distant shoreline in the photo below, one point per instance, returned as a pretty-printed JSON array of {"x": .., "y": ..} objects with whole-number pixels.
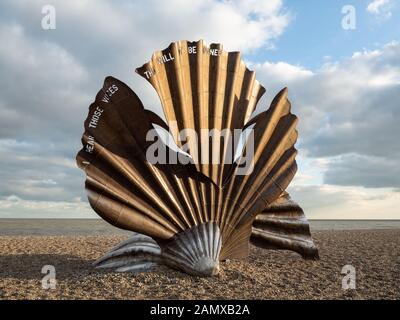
[{"x": 71, "y": 227}]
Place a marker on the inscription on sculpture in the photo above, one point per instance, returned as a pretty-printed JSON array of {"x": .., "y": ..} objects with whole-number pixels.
[
  {"x": 109, "y": 93},
  {"x": 165, "y": 58},
  {"x": 214, "y": 52},
  {"x": 90, "y": 144},
  {"x": 149, "y": 73},
  {"x": 95, "y": 117},
  {"x": 169, "y": 57}
]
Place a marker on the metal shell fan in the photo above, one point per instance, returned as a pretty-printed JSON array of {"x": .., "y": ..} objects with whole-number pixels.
[{"x": 192, "y": 213}]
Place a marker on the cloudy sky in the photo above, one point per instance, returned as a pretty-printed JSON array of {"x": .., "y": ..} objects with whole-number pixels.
[{"x": 344, "y": 85}]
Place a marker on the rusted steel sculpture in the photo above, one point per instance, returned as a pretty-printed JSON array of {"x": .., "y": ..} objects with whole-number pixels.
[{"x": 190, "y": 214}]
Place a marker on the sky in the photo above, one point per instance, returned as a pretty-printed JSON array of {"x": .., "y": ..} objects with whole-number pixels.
[{"x": 344, "y": 85}]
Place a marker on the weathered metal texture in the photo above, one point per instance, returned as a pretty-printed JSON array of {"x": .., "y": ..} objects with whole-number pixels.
[
  {"x": 283, "y": 225},
  {"x": 200, "y": 89},
  {"x": 136, "y": 254},
  {"x": 195, "y": 251}
]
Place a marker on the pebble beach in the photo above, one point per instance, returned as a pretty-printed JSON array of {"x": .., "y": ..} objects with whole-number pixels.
[{"x": 265, "y": 274}]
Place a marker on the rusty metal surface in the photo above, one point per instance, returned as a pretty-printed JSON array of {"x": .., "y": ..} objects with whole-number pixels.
[
  {"x": 205, "y": 89},
  {"x": 283, "y": 225}
]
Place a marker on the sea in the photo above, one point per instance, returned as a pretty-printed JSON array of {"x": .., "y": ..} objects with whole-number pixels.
[{"x": 97, "y": 226}]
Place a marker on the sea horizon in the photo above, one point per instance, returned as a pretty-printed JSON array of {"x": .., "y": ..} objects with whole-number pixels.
[{"x": 97, "y": 226}]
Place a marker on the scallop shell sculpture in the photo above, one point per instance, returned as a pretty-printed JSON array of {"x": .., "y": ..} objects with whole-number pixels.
[{"x": 189, "y": 214}]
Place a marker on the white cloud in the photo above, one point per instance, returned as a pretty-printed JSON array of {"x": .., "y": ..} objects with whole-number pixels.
[
  {"x": 350, "y": 106},
  {"x": 348, "y": 132},
  {"x": 34, "y": 171},
  {"x": 376, "y": 6},
  {"x": 152, "y": 24},
  {"x": 41, "y": 86},
  {"x": 49, "y": 78},
  {"x": 380, "y": 8},
  {"x": 368, "y": 171},
  {"x": 282, "y": 71},
  {"x": 15, "y": 207},
  {"x": 60, "y": 70},
  {"x": 339, "y": 202}
]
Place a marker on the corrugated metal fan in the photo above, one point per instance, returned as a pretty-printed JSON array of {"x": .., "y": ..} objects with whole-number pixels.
[{"x": 200, "y": 205}]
